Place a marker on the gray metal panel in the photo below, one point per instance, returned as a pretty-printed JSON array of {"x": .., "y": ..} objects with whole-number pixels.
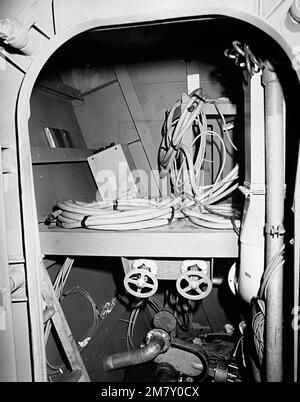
[
  {"x": 59, "y": 181},
  {"x": 52, "y": 111}
]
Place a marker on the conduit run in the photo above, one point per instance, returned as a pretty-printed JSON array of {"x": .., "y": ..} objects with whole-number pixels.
[{"x": 274, "y": 230}]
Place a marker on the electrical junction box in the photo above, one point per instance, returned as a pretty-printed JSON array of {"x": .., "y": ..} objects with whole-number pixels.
[{"x": 116, "y": 174}]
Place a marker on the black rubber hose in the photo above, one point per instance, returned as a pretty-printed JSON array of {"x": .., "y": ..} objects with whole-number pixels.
[
  {"x": 134, "y": 357},
  {"x": 196, "y": 350}
]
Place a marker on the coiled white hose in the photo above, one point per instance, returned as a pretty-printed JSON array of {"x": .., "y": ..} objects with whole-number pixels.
[{"x": 124, "y": 214}]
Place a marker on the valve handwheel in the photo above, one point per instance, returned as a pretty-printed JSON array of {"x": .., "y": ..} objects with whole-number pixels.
[
  {"x": 140, "y": 283},
  {"x": 193, "y": 285}
]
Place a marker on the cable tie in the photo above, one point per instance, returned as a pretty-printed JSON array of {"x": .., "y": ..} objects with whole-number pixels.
[
  {"x": 170, "y": 220},
  {"x": 83, "y": 225},
  {"x": 199, "y": 97}
]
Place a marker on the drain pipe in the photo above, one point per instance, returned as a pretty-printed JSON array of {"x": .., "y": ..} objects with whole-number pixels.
[
  {"x": 274, "y": 230},
  {"x": 158, "y": 341}
]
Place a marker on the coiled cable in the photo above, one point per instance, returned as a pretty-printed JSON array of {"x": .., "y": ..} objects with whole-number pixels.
[
  {"x": 123, "y": 214},
  {"x": 96, "y": 315},
  {"x": 175, "y": 156}
]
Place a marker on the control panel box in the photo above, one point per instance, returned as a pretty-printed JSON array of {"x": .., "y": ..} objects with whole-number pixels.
[{"x": 115, "y": 174}]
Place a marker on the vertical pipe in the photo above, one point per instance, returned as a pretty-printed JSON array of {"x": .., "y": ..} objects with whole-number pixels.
[
  {"x": 296, "y": 209},
  {"x": 275, "y": 161}
]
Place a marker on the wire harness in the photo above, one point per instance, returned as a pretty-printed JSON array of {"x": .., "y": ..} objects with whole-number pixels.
[
  {"x": 176, "y": 156},
  {"x": 258, "y": 304},
  {"x": 244, "y": 57}
]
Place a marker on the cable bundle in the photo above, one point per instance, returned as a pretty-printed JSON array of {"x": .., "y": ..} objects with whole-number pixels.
[
  {"x": 258, "y": 327},
  {"x": 151, "y": 302},
  {"x": 96, "y": 319},
  {"x": 258, "y": 321},
  {"x": 123, "y": 214},
  {"x": 244, "y": 57},
  {"x": 175, "y": 156},
  {"x": 274, "y": 265},
  {"x": 213, "y": 220}
]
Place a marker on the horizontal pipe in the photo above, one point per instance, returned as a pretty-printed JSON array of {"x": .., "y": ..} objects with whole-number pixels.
[{"x": 134, "y": 357}]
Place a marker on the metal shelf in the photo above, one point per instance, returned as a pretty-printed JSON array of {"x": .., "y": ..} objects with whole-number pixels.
[
  {"x": 45, "y": 155},
  {"x": 181, "y": 239}
]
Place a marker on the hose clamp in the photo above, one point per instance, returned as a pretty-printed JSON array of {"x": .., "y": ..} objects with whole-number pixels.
[{"x": 274, "y": 231}]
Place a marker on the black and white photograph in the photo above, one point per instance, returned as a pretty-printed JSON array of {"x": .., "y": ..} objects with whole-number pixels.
[{"x": 149, "y": 195}]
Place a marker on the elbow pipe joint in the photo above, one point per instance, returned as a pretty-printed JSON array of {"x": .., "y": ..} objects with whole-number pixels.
[
  {"x": 158, "y": 341},
  {"x": 15, "y": 33}
]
